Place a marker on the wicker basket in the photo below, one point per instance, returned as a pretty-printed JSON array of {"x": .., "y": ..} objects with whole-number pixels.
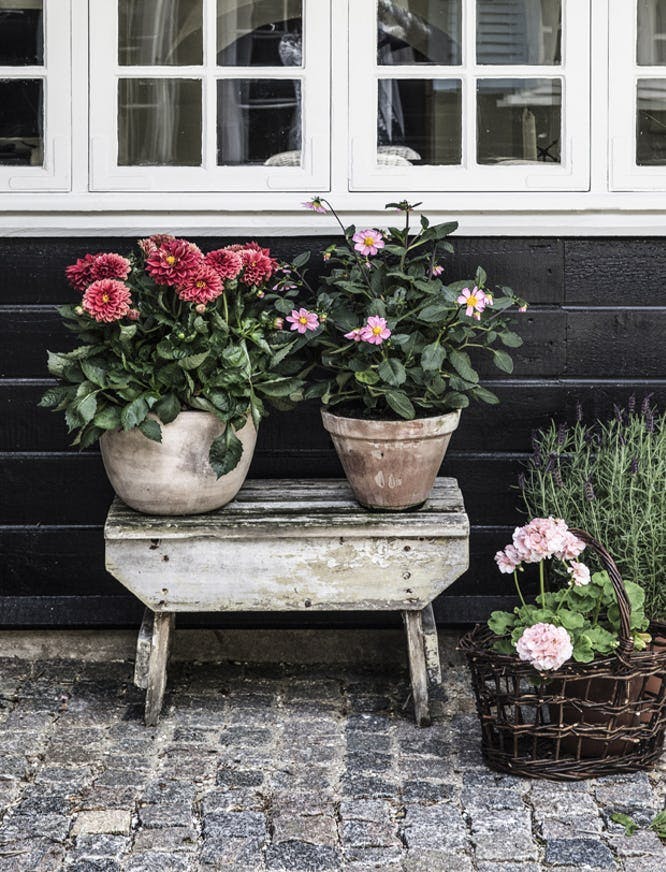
[{"x": 581, "y": 721}]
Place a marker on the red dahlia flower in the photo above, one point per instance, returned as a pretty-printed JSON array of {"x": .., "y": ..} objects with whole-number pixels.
[
  {"x": 174, "y": 262},
  {"x": 226, "y": 263},
  {"x": 107, "y": 300},
  {"x": 257, "y": 267},
  {"x": 80, "y": 274},
  {"x": 202, "y": 287},
  {"x": 110, "y": 266},
  {"x": 152, "y": 242}
]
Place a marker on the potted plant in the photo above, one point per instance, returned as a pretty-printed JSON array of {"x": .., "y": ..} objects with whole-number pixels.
[
  {"x": 176, "y": 354},
  {"x": 395, "y": 348},
  {"x": 561, "y": 681}
]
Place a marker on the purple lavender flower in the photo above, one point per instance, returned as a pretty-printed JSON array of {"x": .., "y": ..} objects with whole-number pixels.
[
  {"x": 589, "y": 491},
  {"x": 645, "y": 405},
  {"x": 633, "y": 467},
  {"x": 632, "y": 404}
]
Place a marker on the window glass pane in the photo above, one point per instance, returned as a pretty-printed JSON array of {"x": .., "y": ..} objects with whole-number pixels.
[
  {"x": 259, "y": 122},
  {"x": 419, "y": 122},
  {"x": 419, "y": 32},
  {"x": 651, "y": 44},
  {"x": 160, "y": 32},
  {"x": 264, "y": 33},
  {"x": 159, "y": 122},
  {"x": 21, "y": 32},
  {"x": 21, "y": 122},
  {"x": 519, "y": 31},
  {"x": 519, "y": 120},
  {"x": 651, "y": 122}
]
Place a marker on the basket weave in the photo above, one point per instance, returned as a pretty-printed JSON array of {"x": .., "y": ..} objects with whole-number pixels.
[{"x": 581, "y": 721}]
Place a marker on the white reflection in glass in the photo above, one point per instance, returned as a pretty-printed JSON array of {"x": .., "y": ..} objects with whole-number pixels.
[
  {"x": 159, "y": 122},
  {"x": 168, "y": 32},
  {"x": 519, "y": 121},
  {"x": 651, "y": 41},
  {"x": 419, "y": 122},
  {"x": 519, "y": 31}
]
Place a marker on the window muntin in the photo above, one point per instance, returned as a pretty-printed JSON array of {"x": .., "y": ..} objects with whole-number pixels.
[
  {"x": 235, "y": 97},
  {"x": 34, "y": 95},
  {"x": 524, "y": 109}
]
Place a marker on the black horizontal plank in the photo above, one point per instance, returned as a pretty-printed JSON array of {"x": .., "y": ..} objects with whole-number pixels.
[
  {"x": 525, "y": 405},
  {"x": 618, "y": 343},
  {"x": 620, "y": 272},
  {"x": 27, "y": 332},
  {"x": 73, "y": 488}
]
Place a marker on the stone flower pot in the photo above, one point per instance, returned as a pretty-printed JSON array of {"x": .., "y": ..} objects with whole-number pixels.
[
  {"x": 174, "y": 477},
  {"x": 391, "y": 465}
]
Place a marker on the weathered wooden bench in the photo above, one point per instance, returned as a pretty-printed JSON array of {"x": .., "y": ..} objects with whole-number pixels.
[{"x": 290, "y": 546}]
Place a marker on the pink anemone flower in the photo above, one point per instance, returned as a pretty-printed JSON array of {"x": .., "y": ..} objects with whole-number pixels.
[
  {"x": 315, "y": 205},
  {"x": 368, "y": 242},
  {"x": 375, "y": 330},
  {"x": 355, "y": 335},
  {"x": 475, "y": 302},
  {"x": 301, "y": 320}
]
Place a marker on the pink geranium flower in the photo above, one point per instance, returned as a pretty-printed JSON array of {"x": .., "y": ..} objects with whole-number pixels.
[
  {"x": 110, "y": 266},
  {"x": 508, "y": 560},
  {"x": 316, "y": 205},
  {"x": 226, "y": 263},
  {"x": 355, "y": 335},
  {"x": 474, "y": 301},
  {"x": 79, "y": 274},
  {"x": 375, "y": 330},
  {"x": 107, "y": 300},
  {"x": 174, "y": 262},
  {"x": 368, "y": 242},
  {"x": 204, "y": 286},
  {"x": 543, "y": 538},
  {"x": 580, "y": 573},
  {"x": 301, "y": 320},
  {"x": 545, "y": 646}
]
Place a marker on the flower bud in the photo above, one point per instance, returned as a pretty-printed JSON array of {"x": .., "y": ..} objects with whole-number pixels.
[
  {"x": 78, "y": 310},
  {"x": 200, "y": 308},
  {"x": 260, "y": 295},
  {"x": 278, "y": 323},
  {"x": 323, "y": 317},
  {"x": 133, "y": 314},
  {"x": 180, "y": 335}
]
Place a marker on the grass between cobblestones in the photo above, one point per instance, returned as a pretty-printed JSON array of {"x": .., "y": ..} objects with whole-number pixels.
[{"x": 285, "y": 768}]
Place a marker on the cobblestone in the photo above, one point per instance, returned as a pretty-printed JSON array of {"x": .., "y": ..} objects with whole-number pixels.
[{"x": 276, "y": 767}]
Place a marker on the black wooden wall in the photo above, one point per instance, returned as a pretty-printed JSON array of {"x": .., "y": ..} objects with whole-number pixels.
[{"x": 595, "y": 331}]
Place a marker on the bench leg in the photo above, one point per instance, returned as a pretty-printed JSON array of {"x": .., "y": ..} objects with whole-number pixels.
[
  {"x": 417, "y": 666},
  {"x": 160, "y": 647},
  {"x": 433, "y": 667}
]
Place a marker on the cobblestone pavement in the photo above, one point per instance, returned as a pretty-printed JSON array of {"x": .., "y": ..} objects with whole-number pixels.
[{"x": 293, "y": 768}]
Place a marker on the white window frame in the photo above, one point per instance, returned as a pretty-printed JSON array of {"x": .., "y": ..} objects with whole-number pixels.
[
  {"x": 55, "y": 172},
  {"x": 625, "y": 173},
  {"x": 572, "y": 174},
  {"x": 314, "y": 75}
]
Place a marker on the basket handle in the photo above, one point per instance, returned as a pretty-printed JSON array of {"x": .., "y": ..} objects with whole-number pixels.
[{"x": 626, "y": 638}]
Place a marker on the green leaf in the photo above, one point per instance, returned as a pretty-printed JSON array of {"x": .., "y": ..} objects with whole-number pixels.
[
  {"x": 502, "y": 360},
  {"x": 442, "y": 230},
  {"x": 279, "y": 387},
  {"x": 168, "y": 408},
  {"x": 151, "y": 429},
  {"x": 501, "y": 622},
  {"x": 570, "y": 620},
  {"x": 401, "y": 404},
  {"x": 127, "y": 332},
  {"x": 392, "y": 372},
  {"x": 460, "y": 362},
  {"x": 434, "y": 312},
  {"x": 134, "y": 413},
  {"x": 85, "y": 407},
  {"x": 56, "y": 363},
  {"x": 455, "y": 400},
  {"x": 432, "y": 357},
  {"x": 485, "y": 395},
  {"x": 56, "y": 397},
  {"x": 629, "y": 824},
  {"x": 301, "y": 259},
  {"x": 94, "y": 372},
  {"x": 192, "y": 361},
  {"x": 583, "y": 652},
  {"x": 510, "y": 339},
  {"x": 225, "y": 452},
  {"x": 367, "y": 377},
  {"x": 108, "y": 418},
  {"x": 659, "y": 824}
]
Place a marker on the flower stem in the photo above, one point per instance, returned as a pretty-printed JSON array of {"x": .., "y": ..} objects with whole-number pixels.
[
  {"x": 517, "y": 583},
  {"x": 542, "y": 583}
]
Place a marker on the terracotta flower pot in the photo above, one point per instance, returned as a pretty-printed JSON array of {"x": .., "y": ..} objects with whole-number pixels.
[
  {"x": 391, "y": 465},
  {"x": 174, "y": 476}
]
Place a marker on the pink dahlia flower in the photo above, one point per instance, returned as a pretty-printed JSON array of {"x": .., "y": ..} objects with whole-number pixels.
[
  {"x": 355, "y": 335},
  {"x": 301, "y": 320},
  {"x": 226, "y": 263},
  {"x": 174, "y": 262},
  {"x": 508, "y": 560},
  {"x": 107, "y": 300},
  {"x": 80, "y": 274},
  {"x": 204, "y": 286},
  {"x": 474, "y": 301},
  {"x": 545, "y": 646},
  {"x": 110, "y": 266},
  {"x": 580, "y": 573},
  {"x": 368, "y": 242},
  {"x": 375, "y": 330},
  {"x": 257, "y": 266},
  {"x": 315, "y": 205},
  {"x": 151, "y": 243}
]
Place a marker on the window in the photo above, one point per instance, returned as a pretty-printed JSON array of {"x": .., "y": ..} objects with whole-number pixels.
[
  {"x": 487, "y": 95},
  {"x": 34, "y": 95},
  {"x": 210, "y": 95}
]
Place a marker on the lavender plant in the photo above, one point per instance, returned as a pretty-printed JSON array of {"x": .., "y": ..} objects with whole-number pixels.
[{"x": 608, "y": 477}]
